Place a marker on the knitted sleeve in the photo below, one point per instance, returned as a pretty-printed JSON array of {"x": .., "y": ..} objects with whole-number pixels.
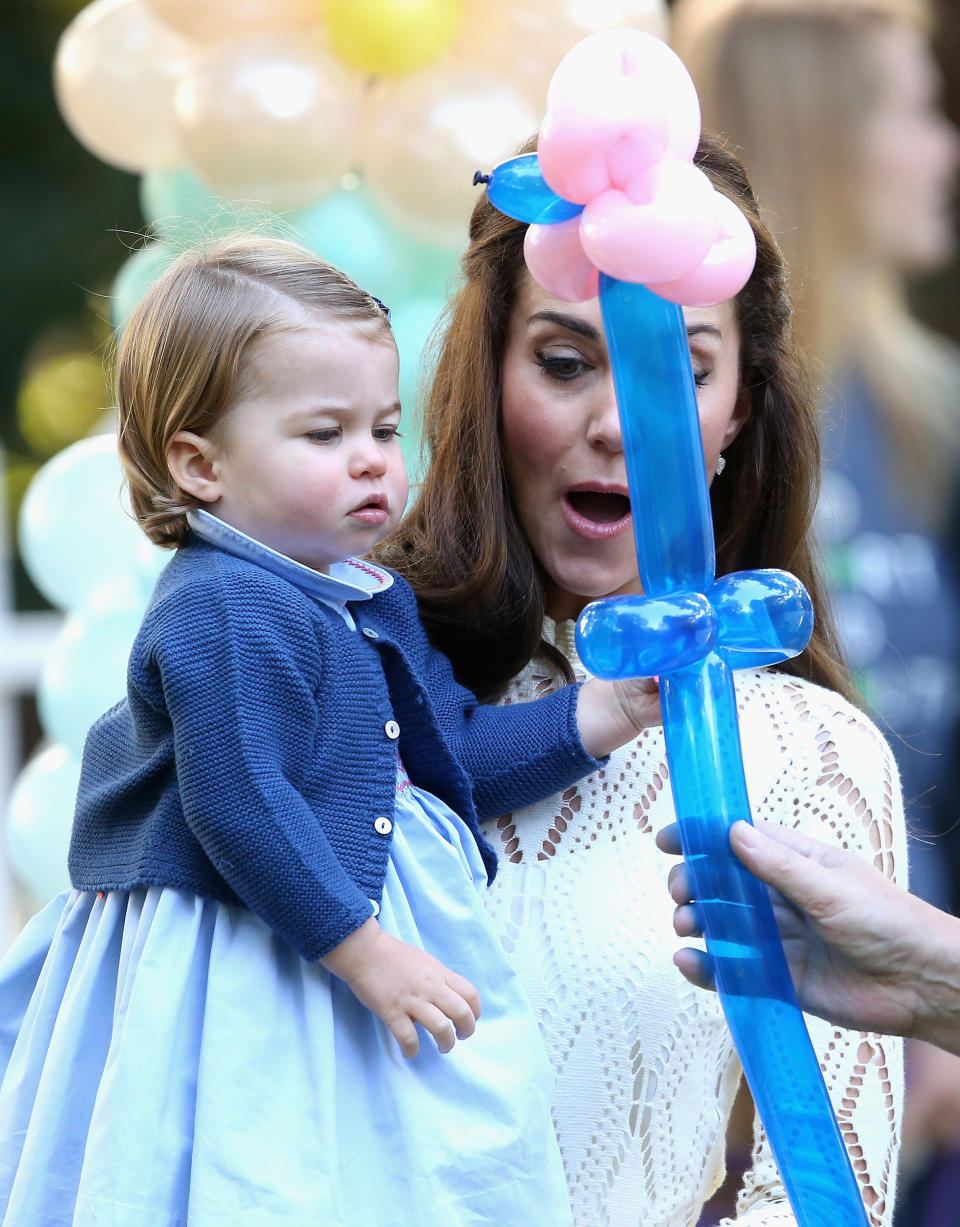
[
  {"x": 239, "y": 667},
  {"x": 847, "y": 792},
  {"x": 514, "y": 756}
]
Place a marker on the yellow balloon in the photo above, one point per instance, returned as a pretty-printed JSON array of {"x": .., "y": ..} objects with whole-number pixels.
[
  {"x": 271, "y": 120},
  {"x": 114, "y": 73},
  {"x": 391, "y": 37},
  {"x": 426, "y": 135},
  {"x": 60, "y": 400},
  {"x": 212, "y": 21}
]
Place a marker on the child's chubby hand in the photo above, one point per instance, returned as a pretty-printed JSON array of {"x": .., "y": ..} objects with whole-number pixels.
[{"x": 403, "y": 985}]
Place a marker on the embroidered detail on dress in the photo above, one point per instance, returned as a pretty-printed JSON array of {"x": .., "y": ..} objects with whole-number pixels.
[{"x": 403, "y": 780}]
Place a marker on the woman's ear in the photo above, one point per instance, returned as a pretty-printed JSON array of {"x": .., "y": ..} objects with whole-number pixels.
[
  {"x": 191, "y": 460},
  {"x": 738, "y": 419}
]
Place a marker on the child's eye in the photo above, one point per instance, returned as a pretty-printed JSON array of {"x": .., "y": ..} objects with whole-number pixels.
[
  {"x": 562, "y": 367},
  {"x": 326, "y": 435},
  {"x": 385, "y": 433}
]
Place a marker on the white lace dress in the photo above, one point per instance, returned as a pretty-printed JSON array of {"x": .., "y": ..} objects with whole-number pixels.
[{"x": 646, "y": 1072}]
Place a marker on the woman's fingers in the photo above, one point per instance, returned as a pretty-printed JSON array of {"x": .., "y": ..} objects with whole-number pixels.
[
  {"x": 686, "y": 921},
  {"x": 668, "y": 840},
  {"x": 678, "y": 883},
  {"x": 696, "y": 967}
]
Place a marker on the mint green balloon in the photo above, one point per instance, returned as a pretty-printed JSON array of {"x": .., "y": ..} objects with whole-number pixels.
[
  {"x": 185, "y": 213},
  {"x": 135, "y": 278},
  {"x": 39, "y": 820},
  {"x": 348, "y": 230},
  {"x": 416, "y": 325},
  {"x": 75, "y": 531},
  {"x": 85, "y": 670}
]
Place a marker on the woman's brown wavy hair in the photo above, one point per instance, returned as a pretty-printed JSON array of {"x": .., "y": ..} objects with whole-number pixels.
[{"x": 462, "y": 548}]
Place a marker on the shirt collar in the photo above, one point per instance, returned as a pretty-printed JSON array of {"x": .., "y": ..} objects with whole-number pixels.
[{"x": 354, "y": 579}]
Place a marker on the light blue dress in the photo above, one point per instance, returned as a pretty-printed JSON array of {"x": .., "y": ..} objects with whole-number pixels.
[{"x": 168, "y": 1061}]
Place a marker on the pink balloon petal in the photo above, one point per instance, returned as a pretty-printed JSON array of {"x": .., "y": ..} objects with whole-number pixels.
[
  {"x": 725, "y": 271},
  {"x": 609, "y": 54},
  {"x": 661, "y": 237},
  {"x": 556, "y": 259},
  {"x": 601, "y": 139}
]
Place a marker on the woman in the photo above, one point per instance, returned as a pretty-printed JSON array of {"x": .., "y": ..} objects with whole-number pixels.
[
  {"x": 522, "y": 519},
  {"x": 834, "y": 104}
]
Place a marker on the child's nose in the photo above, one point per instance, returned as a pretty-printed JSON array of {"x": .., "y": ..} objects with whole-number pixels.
[{"x": 367, "y": 457}]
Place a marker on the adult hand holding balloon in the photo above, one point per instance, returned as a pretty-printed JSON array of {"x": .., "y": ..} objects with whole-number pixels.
[{"x": 619, "y": 206}]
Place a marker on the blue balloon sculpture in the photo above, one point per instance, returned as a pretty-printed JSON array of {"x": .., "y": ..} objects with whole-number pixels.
[{"x": 692, "y": 631}]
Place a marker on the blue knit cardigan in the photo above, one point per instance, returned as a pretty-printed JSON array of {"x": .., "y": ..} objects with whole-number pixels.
[{"x": 257, "y": 748}]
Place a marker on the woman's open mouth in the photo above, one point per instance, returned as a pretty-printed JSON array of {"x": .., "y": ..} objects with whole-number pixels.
[{"x": 596, "y": 512}]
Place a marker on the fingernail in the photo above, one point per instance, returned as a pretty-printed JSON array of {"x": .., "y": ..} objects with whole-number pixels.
[{"x": 746, "y": 834}]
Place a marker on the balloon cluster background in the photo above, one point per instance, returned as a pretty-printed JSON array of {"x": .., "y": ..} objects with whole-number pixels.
[{"x": 352, "y": 128}]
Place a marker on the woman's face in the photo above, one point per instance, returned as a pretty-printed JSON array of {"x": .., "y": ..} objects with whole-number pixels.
[
  {"x": 910, "y": 155},
  {"x": 562, "y": 446}
]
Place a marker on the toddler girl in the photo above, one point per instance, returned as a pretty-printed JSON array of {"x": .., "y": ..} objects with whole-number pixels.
[{"x": 276, "y": 858}]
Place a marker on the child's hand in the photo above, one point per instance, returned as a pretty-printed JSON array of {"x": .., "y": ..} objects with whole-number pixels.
[
  {"x": 609, "y": 714},
  {"x": 404, "y": 985}
]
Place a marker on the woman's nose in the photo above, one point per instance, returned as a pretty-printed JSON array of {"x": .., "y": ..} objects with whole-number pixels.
[{"x": 603, "y": 426}]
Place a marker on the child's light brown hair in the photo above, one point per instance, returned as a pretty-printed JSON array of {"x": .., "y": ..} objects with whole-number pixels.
[{"x": 179, "y": 359}]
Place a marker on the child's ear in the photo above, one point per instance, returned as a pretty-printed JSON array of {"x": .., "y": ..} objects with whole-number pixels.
[{"x": 191, "y": 461}]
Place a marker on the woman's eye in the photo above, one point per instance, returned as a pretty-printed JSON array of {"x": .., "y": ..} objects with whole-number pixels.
[
  {"x": 700, "y": 378},
  {"x": 562, "y": 367}
]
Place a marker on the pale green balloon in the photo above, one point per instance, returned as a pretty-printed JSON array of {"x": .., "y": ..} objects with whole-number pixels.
[
  {"x": 76, "y": 532},
  {"x": 185, "y": 213},
  {"x": 349, "y": 230},
  {"x": 39, "y": 821},
  {"x": 85, "y": 671},
  {"x": 416, "y": 326},
  {"x": 136, "y": 276}
]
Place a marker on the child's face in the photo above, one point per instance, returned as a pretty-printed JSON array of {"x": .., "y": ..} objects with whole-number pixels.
[{"x": 307, "y": 459}]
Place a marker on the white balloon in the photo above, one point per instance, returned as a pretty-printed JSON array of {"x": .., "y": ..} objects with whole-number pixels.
[
  {"x": 426, "y": 135},
  {"x": 269, "y": 119},
  {"x": 85, "y": 671},
  {"x": 76, "y": 530},
  {"x": 114, "y": 73},
  {"x": 39, "y": 821}
]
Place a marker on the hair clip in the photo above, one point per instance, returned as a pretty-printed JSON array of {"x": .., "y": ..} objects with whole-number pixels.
[{"x": 382, "y": 305}]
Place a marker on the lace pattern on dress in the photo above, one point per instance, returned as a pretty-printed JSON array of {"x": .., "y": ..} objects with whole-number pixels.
[{"x": 646, "y": 1073}]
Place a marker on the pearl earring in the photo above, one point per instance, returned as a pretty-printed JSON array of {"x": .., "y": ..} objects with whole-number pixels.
[{"x": 721, "y": 464}]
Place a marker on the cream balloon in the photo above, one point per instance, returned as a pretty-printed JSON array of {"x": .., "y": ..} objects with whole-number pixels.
[
  {"x": 426, "y": 135},
  {"x": 213, "y": 21},
  {"x": 269, "y": 119},
  {"x": 115, "y": 70},
  {"x": 525, "y": 40}
]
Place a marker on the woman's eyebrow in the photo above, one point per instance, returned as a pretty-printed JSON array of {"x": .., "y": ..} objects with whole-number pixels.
[
  {"x": 572, "y": 323},
  {"x": 695, "y": 329}
]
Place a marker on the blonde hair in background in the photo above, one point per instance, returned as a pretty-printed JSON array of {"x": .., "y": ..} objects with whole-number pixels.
[
  {"x": 179, "y": 359},
  {"x": 791, "y": 83}
]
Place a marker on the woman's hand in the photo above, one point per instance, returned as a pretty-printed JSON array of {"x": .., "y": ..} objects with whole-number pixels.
[
  {"x": 609, "y": 714},
  {"x": 863, "y": 953},
  {"x": 403, "y": 985}
]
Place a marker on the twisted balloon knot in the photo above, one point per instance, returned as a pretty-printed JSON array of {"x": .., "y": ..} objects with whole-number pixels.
[{"x": 750, "y": 618}]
